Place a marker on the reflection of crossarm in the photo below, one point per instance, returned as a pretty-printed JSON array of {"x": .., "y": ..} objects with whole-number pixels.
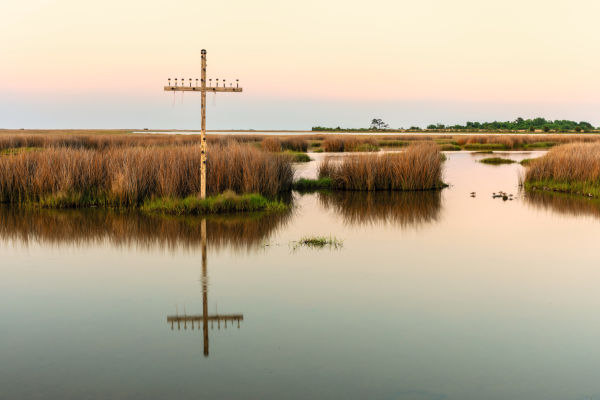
[
  {"x": 178, "y": 319},
  {"x": 216, "y": 317}
]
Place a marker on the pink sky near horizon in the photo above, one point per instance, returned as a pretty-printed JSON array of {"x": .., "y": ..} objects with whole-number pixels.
[{"x": 476, "y": 52}]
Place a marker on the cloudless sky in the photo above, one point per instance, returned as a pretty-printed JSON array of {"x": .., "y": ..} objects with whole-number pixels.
[{"x": 102, "y": 64}]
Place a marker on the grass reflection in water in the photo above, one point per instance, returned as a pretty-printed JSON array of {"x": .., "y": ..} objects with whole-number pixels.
[
  {"x": 131, "y": 229},
  {"x": 391, "y": 207}
]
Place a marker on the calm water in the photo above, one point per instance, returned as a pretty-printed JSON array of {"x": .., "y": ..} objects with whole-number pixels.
[{"x": 433, "y": 296}]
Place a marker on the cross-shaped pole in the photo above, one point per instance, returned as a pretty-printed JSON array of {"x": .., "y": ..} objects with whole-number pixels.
[{"x": 176, "y": 87}]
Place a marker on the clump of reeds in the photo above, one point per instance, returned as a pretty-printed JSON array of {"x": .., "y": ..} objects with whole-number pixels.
[
  {"x": 271, "y": 144},
  {"x": 276, "y": 144},
  {"x": 417, "y": 168},
  {"x": 573, "y": 168},
  {"x": 295, "y": 144},
  {"x": 338, "y": 144},
  {"x": 88, "y": 139},
  {"x": 511, "y": 142},
  {"x": 66, "y": 177}
]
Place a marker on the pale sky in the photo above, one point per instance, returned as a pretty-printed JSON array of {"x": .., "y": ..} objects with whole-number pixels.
[{"x": 102, "y": 64}]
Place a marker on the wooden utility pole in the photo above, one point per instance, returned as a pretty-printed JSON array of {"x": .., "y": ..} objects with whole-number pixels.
[{"x": 202, "y": 89}]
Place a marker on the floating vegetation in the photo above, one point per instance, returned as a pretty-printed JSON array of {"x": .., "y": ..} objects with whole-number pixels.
[
  {"x": 319, "y": 242},
  {"x": 497, "y": 161}
]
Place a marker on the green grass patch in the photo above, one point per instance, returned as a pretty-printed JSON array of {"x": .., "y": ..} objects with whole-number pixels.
[
  {"x": 72, "y": 200},
  {"x": 485, "y": 146},
  {"x": 365, "y": 147},
  {"x": 298, "y": 156},
  {"x": 393, "y": 143},
  {"x": 526, "y": 161},
  {"x": 497, "y": 161},
  {"x": 17, "y": 150},
  {"x": 539, "y": 145},
  {"x": 484, "y": 152},
  {"x": 308, "y": 185},
  {"x": 319, "y": 242},
  {"x": 588, "y": 189},
  {"x": 225, "y": 203},
  {"x": 445, "y": 141},
  {"x": 449, "y": 147}
]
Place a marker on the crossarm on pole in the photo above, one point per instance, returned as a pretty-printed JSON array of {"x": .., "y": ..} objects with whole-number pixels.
[{"x": 199, "y": 89}]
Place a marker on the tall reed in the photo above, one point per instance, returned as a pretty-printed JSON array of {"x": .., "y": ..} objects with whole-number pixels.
[
  {"x": 331, "y": 143},
  {"x": 275, "y": 144},
  {"x": 294, "y": 143},
  {"x": 573, "y": 167},
  {"x": 128, "y": 176},
  {"x": 338, "y": 144},
  {"x": 271, "y": 144},
  {"x": 417, "y": 168}
]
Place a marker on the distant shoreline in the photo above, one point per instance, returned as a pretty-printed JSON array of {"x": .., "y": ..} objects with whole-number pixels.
[{"x": 285, "y": 132}]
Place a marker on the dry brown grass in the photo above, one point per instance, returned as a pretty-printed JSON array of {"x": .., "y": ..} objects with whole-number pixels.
[
  {"x": 519, "y": 141},
  {"x": 294, "y": 144},
  {"x": 336, "y": 144},
  {"x": 575, "y": 161},
  {"x": 271, "y": 144},
  {"x": 275, "y": 144},
  {"x": 417, "y": 168},
  {"x": 127, "y": 176},
  {"x": 102, "y": 139},
  {"x": 573, "y": 167}
]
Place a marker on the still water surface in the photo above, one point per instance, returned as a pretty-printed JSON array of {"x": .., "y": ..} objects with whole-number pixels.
[{"x": 435, "y": 295}]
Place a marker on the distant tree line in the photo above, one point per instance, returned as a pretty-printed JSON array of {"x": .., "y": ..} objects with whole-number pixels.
[{"x": 520, "y": 124}]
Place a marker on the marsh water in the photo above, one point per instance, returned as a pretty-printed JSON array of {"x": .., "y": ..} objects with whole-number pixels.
[{"x": 433, "y": 295}]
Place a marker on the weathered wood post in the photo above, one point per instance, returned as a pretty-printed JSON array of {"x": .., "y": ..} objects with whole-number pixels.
[{"x": 202, "y": 89}]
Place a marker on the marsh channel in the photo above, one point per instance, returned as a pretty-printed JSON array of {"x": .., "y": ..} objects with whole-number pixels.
[{"x": 433, "y": 295}]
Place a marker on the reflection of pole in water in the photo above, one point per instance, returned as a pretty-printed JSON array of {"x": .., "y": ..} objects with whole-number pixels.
[
  {"x": 205, "y": 317},
  {"x": 204, "y": 289}
]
